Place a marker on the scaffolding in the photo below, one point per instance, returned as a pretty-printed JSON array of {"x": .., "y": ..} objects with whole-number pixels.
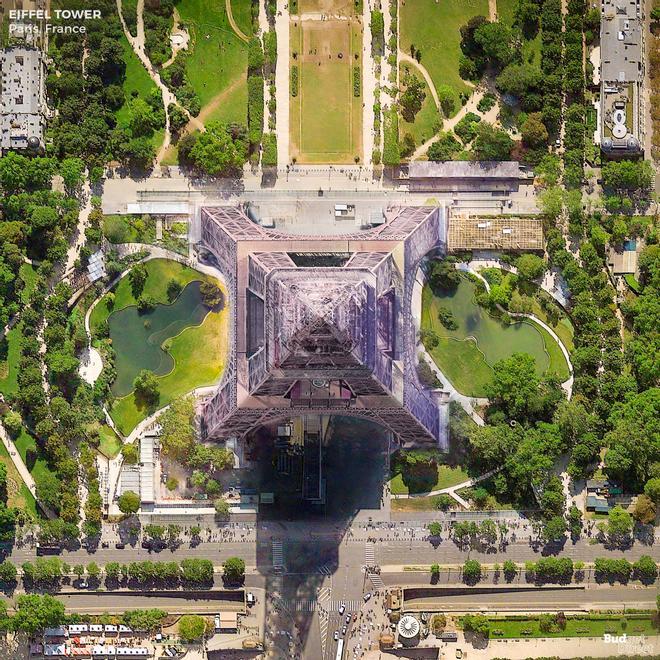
[{"x": 474, "y": 233}]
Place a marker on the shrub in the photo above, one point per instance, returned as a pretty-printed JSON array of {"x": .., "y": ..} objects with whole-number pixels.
[
  {"x": 391, "y": 151},
  {"x": 255, "y": 109},
  {"x": 269, "y": 156},
  {"x": 357, "y": 82},
  {"x": 294, "y": 80},
  {"x": 466, "y": 129}
]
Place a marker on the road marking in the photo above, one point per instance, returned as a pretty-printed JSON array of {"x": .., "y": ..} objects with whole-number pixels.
[
  {"x": 324, "y": 570},
  {"x": 350, "y": 605},
  {"x": 376, "y": 580},
  {"x": 369, "y": 554},
  {"x": 278, "y": 554}
]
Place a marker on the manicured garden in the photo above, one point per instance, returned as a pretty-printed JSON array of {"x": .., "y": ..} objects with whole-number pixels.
[
  {"x": 467, "y": 352},
  {"x": 326, "y": 103},
  {"x": 217, "y": 60},
  {"x": 174, "y": 329},
  {"x": 426, "y": 122},
  {"x": 434, "y": 29},
  {"x": 594, "y": 625},
  {"x": 109, "y": 442},
  {"x": 422, "y": 471}
]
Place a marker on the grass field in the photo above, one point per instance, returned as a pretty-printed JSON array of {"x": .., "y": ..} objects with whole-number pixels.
[
  {"x": 18, "y": 494},
  {"x": 334, "y": 7},
  {"x": 218, "y": 57},
  {"x": 325, "y": 116},
  {"x": 447, "y": 476},
  {"x": 110, "y": 444},
  {"x": 433, "y": 27},
  {"x": 618, "y": 624},
  {"x": 10, "y": 354},
  {"x": 531, "y": 50},
  {"x": 37, "y": 466},
  {"x": 29, "y": 276},
  {"x": 427, "y": 120},
  {"x": 161, "y": 271},
  {"x": 137, "y": 80},
  {"x": 466, "y": 355},
  {"x": 189, "y": 372}
]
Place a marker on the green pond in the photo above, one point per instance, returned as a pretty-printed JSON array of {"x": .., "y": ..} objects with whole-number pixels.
[
  {"x": 466, "y": 355},
  {"x": 138, "y": 338}
]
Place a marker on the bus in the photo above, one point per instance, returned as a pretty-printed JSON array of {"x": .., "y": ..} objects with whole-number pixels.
[{"x": 340, "y": 649}]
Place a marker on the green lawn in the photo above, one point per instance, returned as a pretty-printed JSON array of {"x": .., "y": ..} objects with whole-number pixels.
[
  {"x": 466, "y": 355},
  {"x": 30, "y": 452},
  {"x": 578, "y": 626},
  {"x": 447, "y": 477},
  {"x": 110, "y": 444},
  {"x": 137, "y": 80},
  {"x": 161, "y": 271},
  {"x": 129, "y": 229},
  {"x": 433, "y": 27},
  {"x": 427, "y": 120},
  {"x": 10, "y": 354},
  {"x": 325, "y": 116},
  {"x": 189, "y": 371},
  {"x": 217, "y": 57},
  {"x": 18, "y": 494},
  {"x": 29, "y": 276}
]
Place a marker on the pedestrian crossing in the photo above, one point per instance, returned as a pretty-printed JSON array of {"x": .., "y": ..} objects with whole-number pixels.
[
  {"x": 376, "y": 580},
  {"x": 369, "y": 554},
  {"x": 278, "y": 554},
  {"x": 350, "y": 605},
  {"x": 324, "y": 570},
  {"x": 325, "y": 593},
  {"x": 297, "y": 605}
]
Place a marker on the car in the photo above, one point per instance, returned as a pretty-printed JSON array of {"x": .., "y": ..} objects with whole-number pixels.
[
  {"x": 348, "y": 619},
  {"x": 217, "y": 622},
  {"x": 250, "y": 598},
  {"x": 343, "y": 630},
  {"x": 120, "y": 546},
  {"x": 336, "y": 636},
  {"x": 146, "y": 544},
  {"x": 105, "y": 544},
  {"x": 342, "y": 608},
  {"x": 366, "y": 596}
]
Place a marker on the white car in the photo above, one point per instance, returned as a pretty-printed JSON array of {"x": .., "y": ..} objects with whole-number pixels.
[
  {"x": 342, "y": 608},
  {"x": 366, "y": 596},
  {"x": 336, "y": 636}
]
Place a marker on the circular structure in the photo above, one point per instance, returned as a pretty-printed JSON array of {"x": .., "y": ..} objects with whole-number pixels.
[
  {"x": 33, "y": 142},
  {"x": 408, "y": 627}
]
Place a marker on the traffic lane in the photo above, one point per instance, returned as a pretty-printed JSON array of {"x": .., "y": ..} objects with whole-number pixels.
[{"x": 614, "y": 597}]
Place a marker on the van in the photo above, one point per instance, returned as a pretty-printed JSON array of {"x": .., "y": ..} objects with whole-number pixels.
[
  {"x": 217, "y": 622},
  {"x": 250, "y": 598}
]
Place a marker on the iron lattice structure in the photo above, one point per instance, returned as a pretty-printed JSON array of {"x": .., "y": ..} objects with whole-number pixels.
[{"x": 318, "y": 340}]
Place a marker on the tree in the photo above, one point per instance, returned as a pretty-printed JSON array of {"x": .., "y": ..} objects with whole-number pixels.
[
  {"x": 177, "y": 431},
  {"x": 178, "y": 117},
  {"x": 13, "y": 422},
  {"x": 191, "y": 627},
  {"x": 645, "y": 569},
  {"x": 8, "y": 572},
  {"x": 199, "y": 571},
  {"x": 141, "y": 117},
  {"x": 444, "y": 501},
  {"x": 79, "y": 570},
  {"x": 496, "y": 42},
  {"x": 509, "y": 569},
  {"x": 233, "y": 569},
  {"x": 147, "y": 620},
  {"x": 212, "y": 295},
  {"x": 555, "y": 529},
  {"x": 520, "y": 80},
  {"x": 72, "y": 170},
  {"x": 644, "y": 510},
  {"x": 147, "y": 387},
  {"x": 221, "y": 507},
  {"x": 552, "y": 202},
  {"x": 445, "y": 148},
  {"x": 435, "y": 529},
  {"x": 530, "y": 266},
  {"x": 447, "y": 98},
  {"x": 476, "y": 623},
  {"x": 412, "y": 97},
  {"x": 534, "y": 133},
  {"x": 138, "y": 278},
  {"x": 93, "y": 570},
  {"x": 220, "y": 149},
  {"x": 34, "y": 613},
  {"x": 619, "y": 523},
  {"x": 112, "y": 570},
  {"x": 174, "y": 288},
  {"x": 435, "y": 571},
  {"x": 471, "y": 571},
  {"x": 443, "y": 276},
  {"x": 514, "y": 385},
  {"x": 652, "y": 489},
  {"x": 129, "y": 502},
  {"x": 491, "y": 143}
]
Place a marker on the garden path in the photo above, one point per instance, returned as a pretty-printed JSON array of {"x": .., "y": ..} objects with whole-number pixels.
[
  {"x": 403, "y": 57},
  {"x": 282, "y": 84},
  {"x": 234, "y": 26}
]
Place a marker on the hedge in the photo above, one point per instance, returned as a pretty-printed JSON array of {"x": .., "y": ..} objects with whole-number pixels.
[
  {"x": 377, "y": 32},
  {"x": 255, "y": 109},
  {"x": 270, "y": 49},
  {"x": 294, "y": 80},
  {"x": 269, "y": 156},
  {"x": 357, "y": 80},
  {"x": 391, "y": 151}
]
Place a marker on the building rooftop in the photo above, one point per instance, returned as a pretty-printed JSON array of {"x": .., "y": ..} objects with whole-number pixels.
[
  {"x": 21, "y": 116},
  {"x": 474, "y": 233},
  {"x": 621, "y": 41},
  {"x": 461, "y": 169}
]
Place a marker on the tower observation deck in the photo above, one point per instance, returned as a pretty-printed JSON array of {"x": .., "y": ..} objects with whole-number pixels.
[{"x": 333, "y": 336}]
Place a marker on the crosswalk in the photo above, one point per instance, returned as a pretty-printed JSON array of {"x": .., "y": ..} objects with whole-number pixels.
[
  {"x": 324, "y": 570},
  {"x": 297, "y": 605},
  {"x": 369, "y": 554},
  {"x": 278, "y": 554},
  {"x": 350, "y": 605},
  {"x": 376, "y": 580}
]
